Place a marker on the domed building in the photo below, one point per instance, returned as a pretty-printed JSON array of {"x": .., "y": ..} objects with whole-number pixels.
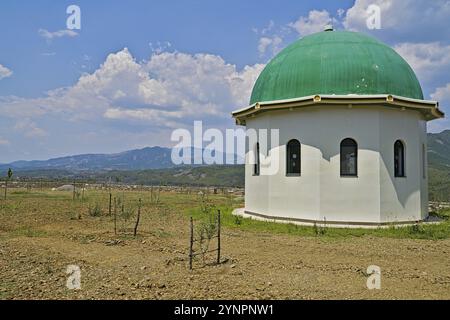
[{"x": 352, "y": 135}]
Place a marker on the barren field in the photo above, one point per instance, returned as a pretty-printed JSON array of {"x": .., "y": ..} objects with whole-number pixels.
[{"x": 43, "y": 231}]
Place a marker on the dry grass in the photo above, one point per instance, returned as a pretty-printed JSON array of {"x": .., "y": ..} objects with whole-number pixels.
[{"x": 41, "y": 232}]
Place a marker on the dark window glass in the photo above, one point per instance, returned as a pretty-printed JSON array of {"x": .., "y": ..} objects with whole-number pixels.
[
  {"x": 293, "y": 157},
  {"x": 349, "y": 157},
  {"x": 399, "y": 159},
  {"x": 257, "y": 162}
]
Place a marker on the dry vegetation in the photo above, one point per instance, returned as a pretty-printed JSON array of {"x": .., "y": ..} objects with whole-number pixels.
[{"x": 43, "y": 231}]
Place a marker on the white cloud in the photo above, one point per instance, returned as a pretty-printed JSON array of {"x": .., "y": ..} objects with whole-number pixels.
[
  {"x": 429, "y": 60},
  {"x": 415, "y": 20},
  {"x": 29, "y": 129},
  {"x": 48, "y": 35},
  {"x": 264, "y": 42},
  {"x": 5, "y": 72},
  {"x": 273, "y": 43},
  {"x": 356, "y": 17},
  {"x": 170, "y": 89},
  {"x": 442, "y": 94},
  {"x": 315, "y": 22}
]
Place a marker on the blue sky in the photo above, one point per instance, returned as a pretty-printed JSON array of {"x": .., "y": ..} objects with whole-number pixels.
[{"x": 125, "y": 79}]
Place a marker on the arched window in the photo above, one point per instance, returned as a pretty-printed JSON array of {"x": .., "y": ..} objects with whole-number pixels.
[
  {"x": 293, "y": 158},
  {"x": 256, "y": 166},
  {"x": 349, "y": 157},
  {"x": 399, "y": 159}
]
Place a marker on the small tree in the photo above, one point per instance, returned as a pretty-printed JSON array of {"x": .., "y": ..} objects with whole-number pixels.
[{"x": 10, "y": 173}]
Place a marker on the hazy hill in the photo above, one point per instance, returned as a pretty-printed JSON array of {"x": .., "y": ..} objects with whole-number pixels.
[
  {"x": 439, "y": 149},
  {"x": 138, "y": 159},
  {"x": 146, "y": 158},
  {"x": 439, "y": 165}
]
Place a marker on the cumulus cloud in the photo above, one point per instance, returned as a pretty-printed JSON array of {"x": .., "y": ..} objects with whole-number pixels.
[
  {"x": 415, "y": 20},
  {"x": 271, "y": 38},
  {"x": 430, "y": 61},
  {"x": 5, "y": 72},
  {"x": 315, "y": 22},
  {"x": 442, "y": 94},
  {"x": 270, "y": 43},
  {"x": 170, "y": 89},
  {"x": 49, "y": 35}
]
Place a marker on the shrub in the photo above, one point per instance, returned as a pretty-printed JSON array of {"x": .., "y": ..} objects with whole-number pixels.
[
  {"x": 95, "y": 211},
  {"x": 237, "y": 220}
]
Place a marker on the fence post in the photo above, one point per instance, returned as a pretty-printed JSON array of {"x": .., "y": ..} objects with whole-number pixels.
[
  {"x": 73, "y": 194},
  {"x": 191, "y": 243},
  {"x": 138, "y": 218},
  {"x": 115, "y": 216},
  {"x": 110, "y": 198},
  {"x": 218, "y": 236}
]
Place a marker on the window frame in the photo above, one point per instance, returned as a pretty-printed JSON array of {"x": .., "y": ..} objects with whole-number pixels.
[
  {"x": 355, "y": 145},
  {"x": 293, "y": 174},
  {"x": 397, "y": 172},
  {"x": 257, "y": 164}
]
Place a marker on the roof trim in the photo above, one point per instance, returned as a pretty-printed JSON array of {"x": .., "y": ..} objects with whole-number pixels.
[{"x": 428, "y": 107}]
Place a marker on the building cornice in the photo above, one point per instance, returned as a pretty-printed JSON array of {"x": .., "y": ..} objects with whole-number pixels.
[{"x": 430, "y": 109}]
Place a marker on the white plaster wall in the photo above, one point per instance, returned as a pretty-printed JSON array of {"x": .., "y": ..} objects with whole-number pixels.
[
  {"x": 403, "y": 198},
  {"x": 320, "y": 192}
]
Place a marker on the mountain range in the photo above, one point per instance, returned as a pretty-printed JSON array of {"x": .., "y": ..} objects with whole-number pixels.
[
  {"x": 137, "y": 159},
  {"x": 439, "y": 150},
  {"x": 153, "y": 165},
  {"x": 160, "y": 157}
]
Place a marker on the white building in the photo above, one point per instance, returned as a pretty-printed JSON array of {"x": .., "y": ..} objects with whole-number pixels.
[{"x": 352, "y": 135}]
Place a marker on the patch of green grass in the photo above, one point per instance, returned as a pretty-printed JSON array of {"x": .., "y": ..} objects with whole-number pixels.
[
  {"x": 419, "y": 231},
  {"x": 23, "y": 194},
  {"x": 19, "y": 192},
  {"x": 27, "y": 231}
]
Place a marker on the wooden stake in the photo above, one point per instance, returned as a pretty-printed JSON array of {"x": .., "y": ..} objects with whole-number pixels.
[
  {"x": 191, "y": 244},
  {"x": 138, "y": 217},
  {"x": 218, "y": 236},
  {"x": 110, "y": 198},
  {"x": 115, "y": 216}
]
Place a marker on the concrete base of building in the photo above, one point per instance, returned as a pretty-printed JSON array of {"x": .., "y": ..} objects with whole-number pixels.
[{"x": 333, "y": 224}]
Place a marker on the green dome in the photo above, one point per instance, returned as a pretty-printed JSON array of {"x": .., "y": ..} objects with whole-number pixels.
[{"x": 336, "y": 62}]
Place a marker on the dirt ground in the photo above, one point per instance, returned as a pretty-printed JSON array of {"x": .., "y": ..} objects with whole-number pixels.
[{"x": 40, "y": 236}]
